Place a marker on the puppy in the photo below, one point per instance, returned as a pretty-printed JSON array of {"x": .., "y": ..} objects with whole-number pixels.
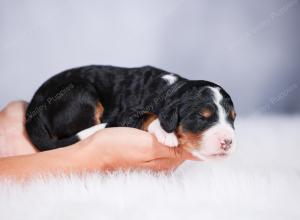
[{"x": 194, "y": 114}]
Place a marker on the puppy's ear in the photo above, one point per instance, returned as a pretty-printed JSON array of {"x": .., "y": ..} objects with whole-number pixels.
[{"x": 168, "y": 118}]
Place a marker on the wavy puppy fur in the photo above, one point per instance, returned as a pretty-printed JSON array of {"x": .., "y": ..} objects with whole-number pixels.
[{"x": 131, "y": 97}]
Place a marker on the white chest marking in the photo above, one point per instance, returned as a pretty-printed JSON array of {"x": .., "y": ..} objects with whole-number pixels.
[{"x": 170, "y": 79}]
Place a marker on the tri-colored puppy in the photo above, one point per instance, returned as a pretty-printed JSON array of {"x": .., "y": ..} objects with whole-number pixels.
[{"x": 194, "y": 114}]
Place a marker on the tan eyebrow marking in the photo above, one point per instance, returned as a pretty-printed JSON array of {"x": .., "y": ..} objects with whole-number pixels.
[{"x": 206, "y": 113}]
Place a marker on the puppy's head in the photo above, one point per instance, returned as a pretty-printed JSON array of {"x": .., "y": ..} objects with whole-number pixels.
[{"x": 205, "y": 114}]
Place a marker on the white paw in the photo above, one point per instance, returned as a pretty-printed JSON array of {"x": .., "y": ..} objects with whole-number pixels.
[
  {"x": 162, "y": 136},
  {"x": 168, "y": 139},
  {"x": 90, "y": 131}
]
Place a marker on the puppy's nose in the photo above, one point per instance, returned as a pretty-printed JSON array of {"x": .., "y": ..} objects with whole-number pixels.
[{"x": 226, "y": 144}]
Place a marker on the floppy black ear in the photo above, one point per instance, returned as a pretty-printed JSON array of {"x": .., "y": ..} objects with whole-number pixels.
[{"x": 168, "y": 118}]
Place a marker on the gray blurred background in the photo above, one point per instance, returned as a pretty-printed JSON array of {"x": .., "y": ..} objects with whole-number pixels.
[{"x": 251, "y": 48}]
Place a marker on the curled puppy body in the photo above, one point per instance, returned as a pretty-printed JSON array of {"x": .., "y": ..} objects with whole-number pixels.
[{"x": 194, "y": 114}]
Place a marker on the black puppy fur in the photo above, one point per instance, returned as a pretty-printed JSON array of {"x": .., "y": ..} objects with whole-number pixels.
[{"x": 68, "y": 103}]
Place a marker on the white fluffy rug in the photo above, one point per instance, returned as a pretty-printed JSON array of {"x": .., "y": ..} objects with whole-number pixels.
[{"x": 260, "y": 181}]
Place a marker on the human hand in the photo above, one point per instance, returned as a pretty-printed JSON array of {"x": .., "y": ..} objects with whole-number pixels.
[
  {"x": 128, "y": 148},
  {"x": 13, "y": 137}
]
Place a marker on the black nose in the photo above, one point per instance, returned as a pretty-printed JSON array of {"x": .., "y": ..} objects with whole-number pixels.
[{"x": 226, "y": 144}]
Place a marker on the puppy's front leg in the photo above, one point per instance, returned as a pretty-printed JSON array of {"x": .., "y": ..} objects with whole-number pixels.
[{"x": 162, "y": 136}]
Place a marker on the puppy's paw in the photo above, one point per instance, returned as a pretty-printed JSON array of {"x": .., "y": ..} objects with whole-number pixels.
[
  {"x": 162, "y": 136},
  {"x": 168, "y": 139}
]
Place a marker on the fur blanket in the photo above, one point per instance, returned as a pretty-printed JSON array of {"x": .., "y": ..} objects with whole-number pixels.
[{"x": 260, "y": 181}]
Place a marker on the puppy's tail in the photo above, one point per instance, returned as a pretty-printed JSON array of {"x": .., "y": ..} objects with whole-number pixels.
[{"x": 41, "y": 137}]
